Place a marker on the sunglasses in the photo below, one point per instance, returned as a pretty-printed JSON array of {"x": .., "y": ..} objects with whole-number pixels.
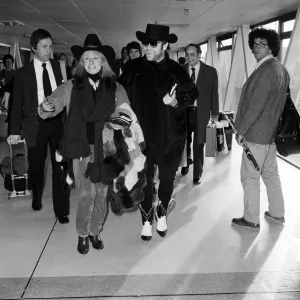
[{"x": 152, "y": 44}]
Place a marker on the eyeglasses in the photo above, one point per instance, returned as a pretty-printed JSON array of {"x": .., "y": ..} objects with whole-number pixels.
[
  {"x": 259, "y": 45},
  {"x": 152, "y": 44}
]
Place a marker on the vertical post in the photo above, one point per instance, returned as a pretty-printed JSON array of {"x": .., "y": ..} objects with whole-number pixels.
[
  {"x": 242, "y": 66},
  {"x": 212, "y": 59}
]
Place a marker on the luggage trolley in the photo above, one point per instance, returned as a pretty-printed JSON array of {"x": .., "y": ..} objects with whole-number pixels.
[{"x": 21, "y": 188}]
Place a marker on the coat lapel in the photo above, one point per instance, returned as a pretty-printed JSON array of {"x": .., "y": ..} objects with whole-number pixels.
[{"x": 200, "y": 74}]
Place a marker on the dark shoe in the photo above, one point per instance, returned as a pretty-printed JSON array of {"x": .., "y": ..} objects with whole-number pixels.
[
  {"x": 242, "y": 223},
  {"x": 278, "y": 220},
  {"x": 83, "y": 245},
  {"x": 147, "y": 220},
  {"x": 63, "y": 220},
  {"x": 37, "y": 206},
  {"x": 96, "y": 242},
  {"x": 196, "y": 181},
  {"x": 184, "y": 171}
]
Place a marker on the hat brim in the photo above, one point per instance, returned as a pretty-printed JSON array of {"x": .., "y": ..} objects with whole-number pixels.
[
  {"x": 145, "y": 39},
  {"x": 106, "y": 50}
]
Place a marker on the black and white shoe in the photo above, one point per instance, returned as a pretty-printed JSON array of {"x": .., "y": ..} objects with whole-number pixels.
[
  {"x": 161, "y": 215},
  {"x": 147, "y": 219}
]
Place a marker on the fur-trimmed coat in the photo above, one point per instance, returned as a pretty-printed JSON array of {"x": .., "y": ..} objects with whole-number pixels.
[
  {"x": 123, "y": 144},
  {"x": 164, "y": 126}
]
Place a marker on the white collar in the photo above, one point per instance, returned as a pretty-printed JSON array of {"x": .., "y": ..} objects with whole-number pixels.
[
  {"x": 197, "y": 66},
  {"x": 263, "y": 60},
  {"x": 38, "y": 62}
]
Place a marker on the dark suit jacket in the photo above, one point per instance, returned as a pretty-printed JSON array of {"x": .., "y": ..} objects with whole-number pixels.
[
  {"x": 208, "y": 98},
  {"x": 24, "y": 116}
]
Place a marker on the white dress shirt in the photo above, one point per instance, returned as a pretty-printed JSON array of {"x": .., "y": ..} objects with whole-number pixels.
[{"x": 39, "y": 78}]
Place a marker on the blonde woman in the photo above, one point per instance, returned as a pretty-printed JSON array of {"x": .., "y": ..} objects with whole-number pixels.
[{"x": 91, "y": 98}]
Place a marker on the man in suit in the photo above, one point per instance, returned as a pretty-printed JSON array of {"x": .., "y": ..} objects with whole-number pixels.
[
  {"x": 33, "y": 83},
  {"x": 261, "y": 104},
  {"x": 205, "y": 106}
]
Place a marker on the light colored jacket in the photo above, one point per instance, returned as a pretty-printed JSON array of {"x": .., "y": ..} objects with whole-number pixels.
[{"x": 262, "y": 101}]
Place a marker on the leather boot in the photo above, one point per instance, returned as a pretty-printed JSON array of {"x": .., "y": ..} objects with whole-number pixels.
[
  {"x": 161, "y": 215},
  {"x": 83, "y": 245},
  {"x": 96, "y": 242},
  {"x": 147, "y": 219}
]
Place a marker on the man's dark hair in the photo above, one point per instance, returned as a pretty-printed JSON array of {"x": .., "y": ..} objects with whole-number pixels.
[
  {"x": 38, "y": 35},
  {"x": 198, "y": 48},
  {"x": 6, "y": 57},
  {"x": 134, "y": 45},
  {"x": 270, "y": 35}
]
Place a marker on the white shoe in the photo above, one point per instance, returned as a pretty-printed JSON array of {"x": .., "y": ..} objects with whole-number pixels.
[
  {"x": 147, "y": 219},
  {"x": 161, "y": 224},
  {"x": 146, "y": 233}
]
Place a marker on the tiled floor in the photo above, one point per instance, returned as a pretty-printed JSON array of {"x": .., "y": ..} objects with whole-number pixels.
[{"x": 202, "y": 256}]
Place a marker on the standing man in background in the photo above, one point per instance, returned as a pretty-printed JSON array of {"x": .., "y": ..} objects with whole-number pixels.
[
  {"x": 32, "y": 84},
  {"x": 205, "y": 107},
  {"x": 120, "y": 63},
  {"x": 134, "y": 50}
]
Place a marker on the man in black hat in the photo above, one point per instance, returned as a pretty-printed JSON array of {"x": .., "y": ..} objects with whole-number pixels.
[
  {"x": 159, "y": 90},
  {"x": 32, "y": 84}
]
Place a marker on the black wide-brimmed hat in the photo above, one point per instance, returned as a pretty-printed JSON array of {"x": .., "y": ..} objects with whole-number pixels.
[
  {"x": 155, "y": 32},
  {"x": 92, "y": 43}
]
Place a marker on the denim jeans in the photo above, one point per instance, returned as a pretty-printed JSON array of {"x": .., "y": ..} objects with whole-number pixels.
[{"x": 92, "y": 209}]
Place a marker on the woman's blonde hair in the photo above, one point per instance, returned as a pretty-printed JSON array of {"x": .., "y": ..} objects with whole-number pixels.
[
  {"x": 106, "y": 70},
  {"x": 106, "y": 74}
]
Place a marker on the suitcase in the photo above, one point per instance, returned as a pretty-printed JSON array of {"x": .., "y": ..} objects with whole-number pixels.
[
  {"x": 211, "y": 140},
  {"x": 16, "y": 184}
]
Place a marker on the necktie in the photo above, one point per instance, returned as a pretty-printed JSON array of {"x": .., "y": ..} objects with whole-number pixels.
[
  {"x": 193, "y": 76},
  {"x": 46, "y": 81}
]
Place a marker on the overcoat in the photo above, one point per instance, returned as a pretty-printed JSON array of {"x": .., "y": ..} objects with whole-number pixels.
[{"x": 164, "y": 126}]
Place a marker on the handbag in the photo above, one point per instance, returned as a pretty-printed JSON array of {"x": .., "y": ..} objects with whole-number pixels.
[{"x": 287, "y": 137}]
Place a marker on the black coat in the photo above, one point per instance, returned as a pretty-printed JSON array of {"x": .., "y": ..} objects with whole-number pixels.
[
  {"x": 24, "y": 116},
  {"x": 164, "y": 126}
]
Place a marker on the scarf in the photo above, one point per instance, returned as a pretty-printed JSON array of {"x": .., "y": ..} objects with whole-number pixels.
[{"x": 84, "y": 109}]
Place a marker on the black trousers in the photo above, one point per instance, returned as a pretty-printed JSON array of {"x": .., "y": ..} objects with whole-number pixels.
[
  {"x": 166, "y": 175},
  {"x": 198, "y": 151},
  {"x": 50, "y": 133}
]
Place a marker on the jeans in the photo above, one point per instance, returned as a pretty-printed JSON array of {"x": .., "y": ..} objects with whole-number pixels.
[{"x": 92, "y": 209}]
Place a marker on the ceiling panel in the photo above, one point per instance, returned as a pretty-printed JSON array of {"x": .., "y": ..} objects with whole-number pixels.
[
  {"x": 146, "y": 3},
  {"x": 116, "y": 21},
  {"x": 45, "y": 2},
  {"x": 150, "y": 14}
]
